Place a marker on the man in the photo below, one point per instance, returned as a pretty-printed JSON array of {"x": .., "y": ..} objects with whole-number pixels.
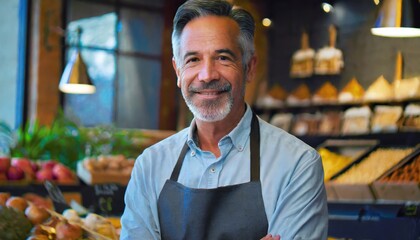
[{"x": 230, "y": 175}]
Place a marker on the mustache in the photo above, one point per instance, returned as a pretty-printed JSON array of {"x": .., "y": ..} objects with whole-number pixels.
[{"x": 212, "y": 85}]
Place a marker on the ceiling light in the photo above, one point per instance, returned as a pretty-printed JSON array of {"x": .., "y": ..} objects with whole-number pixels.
[
  {"x": 266, "y": 22},
  {"x": 75, "y": 78},
  {"x": 327, "y": 7},
  {"x": 398, "y": 18}
]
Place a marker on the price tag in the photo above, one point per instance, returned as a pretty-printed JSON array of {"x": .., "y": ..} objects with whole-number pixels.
[{"x": 107, "y": 199}]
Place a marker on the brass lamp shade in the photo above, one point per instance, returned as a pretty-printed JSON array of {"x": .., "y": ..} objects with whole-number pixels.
[
  {"x": 75, "y": 78},
  {"x": 398, "y": 18}
]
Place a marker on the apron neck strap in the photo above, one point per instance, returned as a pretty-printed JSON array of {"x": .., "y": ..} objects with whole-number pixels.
[
  {"x": 255, "y": 152},
  {"x": 255, "y": 148}
]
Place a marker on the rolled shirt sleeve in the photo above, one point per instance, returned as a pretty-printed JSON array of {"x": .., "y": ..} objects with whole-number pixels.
[
  {"x": 140, "y": 214},
  {"x": 301, "y": 212}
]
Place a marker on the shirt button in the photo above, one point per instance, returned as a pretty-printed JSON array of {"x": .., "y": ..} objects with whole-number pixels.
[
  {"x": 240, "y": 148},
  {"x": 193, "y": 153},
  {"x": 212, "y": 170}
]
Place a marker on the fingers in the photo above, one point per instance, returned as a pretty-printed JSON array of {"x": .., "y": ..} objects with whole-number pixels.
[{"x": 271, "y": 237}]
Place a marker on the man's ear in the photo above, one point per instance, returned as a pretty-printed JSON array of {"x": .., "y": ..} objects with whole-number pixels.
[
  {"x": 178, "y": 81},
  {"x": 251, "y": 69}
]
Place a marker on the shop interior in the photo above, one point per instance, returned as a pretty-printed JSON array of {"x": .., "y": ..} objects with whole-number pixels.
[{"x": 327, "y": 73}]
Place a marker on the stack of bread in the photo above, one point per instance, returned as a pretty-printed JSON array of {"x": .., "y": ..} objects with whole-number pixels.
[
  {"x": 306, "y": 124},
  {"x": 356, "y": 120},
  {"x": 385, "y": 118},
  {"x": 330, "y": 123},
  {"x": 329, "y": 60},
  {"x": 303, "y": 60}
]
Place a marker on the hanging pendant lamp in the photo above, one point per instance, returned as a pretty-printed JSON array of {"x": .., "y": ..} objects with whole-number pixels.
[
  {"x": 398, "y": 18},
  {"x": 75, "y": 78}
]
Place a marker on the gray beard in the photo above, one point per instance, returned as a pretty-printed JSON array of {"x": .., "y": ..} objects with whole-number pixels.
[{"x": 210, "y": 111}]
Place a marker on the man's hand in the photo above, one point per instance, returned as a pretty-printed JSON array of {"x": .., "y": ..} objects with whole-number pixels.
[{"x": 271, "y": 237}]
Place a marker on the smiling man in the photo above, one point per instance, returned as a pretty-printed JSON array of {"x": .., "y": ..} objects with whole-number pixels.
[{"x": 230, "y": 175}]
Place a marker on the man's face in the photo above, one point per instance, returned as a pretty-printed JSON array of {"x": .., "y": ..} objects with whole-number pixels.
[{"x": 210, "y": 74}]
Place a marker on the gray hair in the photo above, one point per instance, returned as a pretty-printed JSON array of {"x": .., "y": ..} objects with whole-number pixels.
[{"x": 199, "y": 8}]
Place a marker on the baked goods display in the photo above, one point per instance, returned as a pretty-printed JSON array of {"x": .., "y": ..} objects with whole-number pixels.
[
  {"x": 306, "y": 124},
  {"x": 379, "y": 90},
  {"x": 105, "y": 169},
  {"x": 352, "y": 92},
  {"x": 302, "y": 63},
  {"x": 300, "y": 96},
  {"x": 407, "y": 173},
  {"x": 406, "y": 88},
  {"x": 385, "y": 118},
  {"x": 353, "y": 121},
  {"x": 275, "y": 97},
  {"x": 373, "y": 166},
  {"x": 356, "y": 120},
  {"x": 277, "y": 92},
  {"x": 327, "y": 93},
  {"x": 329, "y": 60},
  {"x": 330, "y": 123},
  {"x": 332, "y": 162},
  {"x": 282, "y": 120},
  {"x": 411, "y": 118}
]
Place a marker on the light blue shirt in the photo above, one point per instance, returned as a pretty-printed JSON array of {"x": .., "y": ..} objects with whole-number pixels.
[{"x": 291, "y": 175}]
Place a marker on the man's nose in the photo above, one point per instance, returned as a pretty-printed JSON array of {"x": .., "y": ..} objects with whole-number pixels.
[{"x": 208, "y": 71}]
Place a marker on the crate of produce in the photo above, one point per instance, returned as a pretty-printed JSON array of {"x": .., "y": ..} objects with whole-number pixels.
[
  {"x": 339, "y": 154},
  {"x": 23, "y": 171},
  {"x": 402, "y": 182},
  {"x": 105, "y": 169},
  {"x": 354, "y": 182}
]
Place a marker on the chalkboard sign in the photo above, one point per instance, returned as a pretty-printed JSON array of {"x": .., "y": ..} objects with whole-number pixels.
[{"x": 105, "y": 199}]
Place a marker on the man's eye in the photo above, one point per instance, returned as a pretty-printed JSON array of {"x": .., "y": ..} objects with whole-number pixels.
[
  {"x": 224, "y": 58},
  {"x": 191, "y": 60}
]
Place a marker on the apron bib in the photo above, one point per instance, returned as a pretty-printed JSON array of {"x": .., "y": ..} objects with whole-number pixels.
[{"x": 230, "y": 212}]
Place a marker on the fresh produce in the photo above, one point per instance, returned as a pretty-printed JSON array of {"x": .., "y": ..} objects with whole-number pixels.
[
  {"x": 38, "y": 200},
  {"x": 17, "y": 203},
  {"x": 13, "y": 224},
  {"x": 4, "y": 164},
  {"x": 32, "y": 217},
  {"x": 24, "y": 164},
  {"x": 105, "y": 169},
  {"x": 15, "y": 173},
  {"x": 44, "y": 174},
  {"x": 35, "y": 214},
  {"x": 117, "y": 163},
  {"x": 63, "y": 174},
  {"x": 67, "y": 231},
  {"x": 3, "y": 198},
  {"x": 41, "y": 170}
]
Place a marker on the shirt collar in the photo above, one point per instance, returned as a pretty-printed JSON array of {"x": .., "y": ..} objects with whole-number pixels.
[{"x": 239, "y": 135}]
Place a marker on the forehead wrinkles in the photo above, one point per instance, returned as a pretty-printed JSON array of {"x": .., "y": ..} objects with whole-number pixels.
[{"x": 209, "y": 33}]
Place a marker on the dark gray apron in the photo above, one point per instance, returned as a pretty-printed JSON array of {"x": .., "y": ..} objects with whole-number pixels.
[{"x": 230, "y": 212}]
